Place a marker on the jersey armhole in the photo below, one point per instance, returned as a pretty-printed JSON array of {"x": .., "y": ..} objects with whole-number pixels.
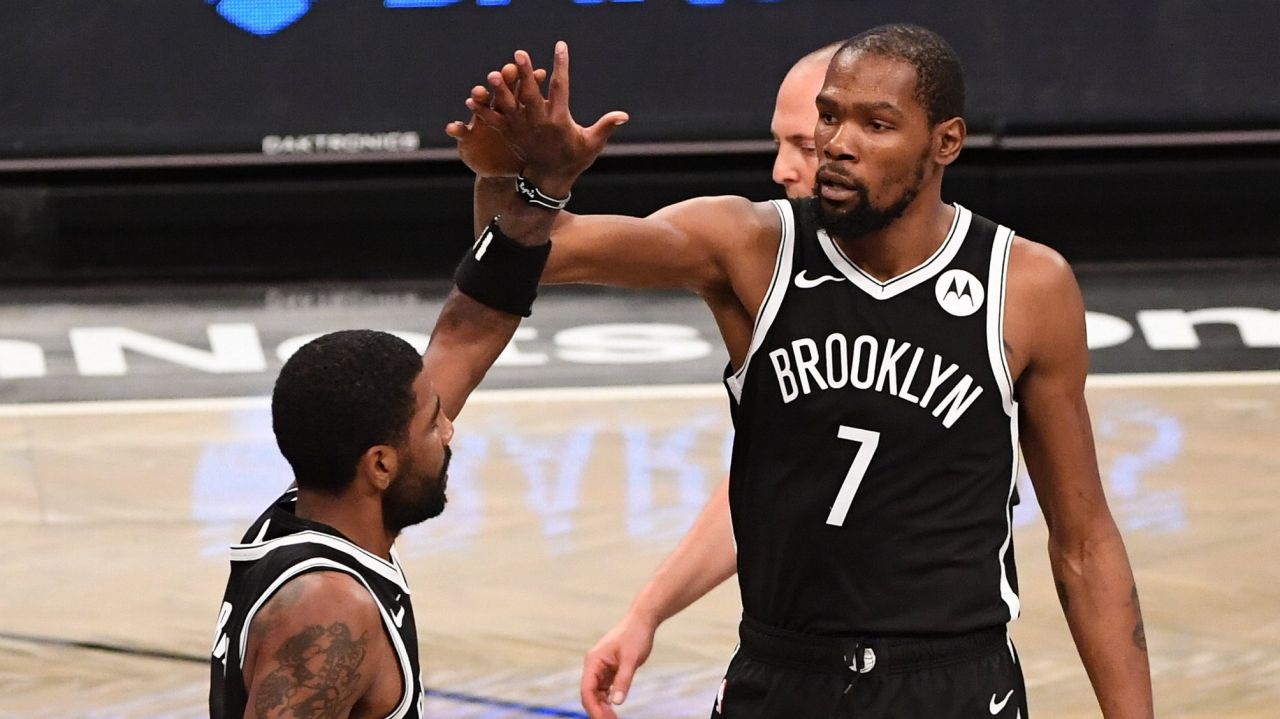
[
  {"x": 997, "y": 282},
  {"x": 773, "y": 298},
  {"x": 393, "y": 635}
]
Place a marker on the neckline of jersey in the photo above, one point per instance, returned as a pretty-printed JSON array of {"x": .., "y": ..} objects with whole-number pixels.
[
  {"x": 922, "y": 272},
  {"x": 327, "y": 535}
]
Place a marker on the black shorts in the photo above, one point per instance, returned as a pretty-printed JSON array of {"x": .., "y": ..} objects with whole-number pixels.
[{"x": 776, "y": 674}]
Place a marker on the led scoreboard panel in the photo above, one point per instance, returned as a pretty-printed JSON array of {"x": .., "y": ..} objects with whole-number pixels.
[{"x": 103, "y": 78}]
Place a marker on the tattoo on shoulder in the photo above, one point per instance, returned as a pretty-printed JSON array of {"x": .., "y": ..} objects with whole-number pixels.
[
  {"x": 1062, "y": 595},
  {"x": 277, "y": 608},
  {"x": 1139, "y": 631},
  {"x": 316, "y": 674}
]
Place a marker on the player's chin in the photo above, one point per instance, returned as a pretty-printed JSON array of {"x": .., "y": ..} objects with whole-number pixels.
[
  {"x": 432, "y": 506},
  {"x": 834, "y": 210},
  {"x": 437, "y": 507}
]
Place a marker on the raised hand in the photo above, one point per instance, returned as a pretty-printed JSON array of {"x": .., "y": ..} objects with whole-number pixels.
[
  {"x": 611, "y": 664},
  {"x": 540, "y": 130},
  {"x": 482, "y": 148}
]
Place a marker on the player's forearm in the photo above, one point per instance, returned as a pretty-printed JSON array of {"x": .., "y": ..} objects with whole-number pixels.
[
  {"x": 494, "y": 196},
  {"x": 470, "y": 335},
  {"x": 467, "y": 340},
  {"x": 1100, "y": 600},
  {"x": 701, "y": 562},
  {"x": 490, "y": 196}
]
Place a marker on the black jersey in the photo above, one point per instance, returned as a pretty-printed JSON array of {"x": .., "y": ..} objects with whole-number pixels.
[
  {"x": 278, "y": 547},
  {"x": 875, "y": 448}
]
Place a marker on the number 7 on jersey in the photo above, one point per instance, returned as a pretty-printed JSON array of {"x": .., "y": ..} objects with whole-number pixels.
[{"x": 867, "y": 440}]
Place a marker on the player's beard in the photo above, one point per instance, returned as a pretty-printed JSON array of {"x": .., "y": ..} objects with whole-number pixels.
[
  {"x": 414, "y": 496},
  {"x": 865, "y": 217}
]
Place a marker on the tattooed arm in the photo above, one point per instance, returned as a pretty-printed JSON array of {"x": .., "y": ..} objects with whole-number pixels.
[
  {"x": 316, "y": 649},
  {"x": 1090, "y": 565}
]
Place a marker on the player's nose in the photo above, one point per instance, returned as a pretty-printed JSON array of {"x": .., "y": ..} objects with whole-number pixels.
[
  {"x": 786, "y": 169},
  {"x": 842, "y": 144}
]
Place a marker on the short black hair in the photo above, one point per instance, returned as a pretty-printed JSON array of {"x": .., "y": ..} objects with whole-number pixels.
[
  {"x": 336, "y": 397},
  {"x": 939, "y": 76}
]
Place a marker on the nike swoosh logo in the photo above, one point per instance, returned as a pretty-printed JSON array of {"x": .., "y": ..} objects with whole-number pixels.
[
  {"x": 805, "y": 283},
  {"x": 997, "y": 707},
  {"x": 398, "y": 618}
]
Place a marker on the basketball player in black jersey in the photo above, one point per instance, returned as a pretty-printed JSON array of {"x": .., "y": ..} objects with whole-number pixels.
[
  {"x": 316, "y": 619},
  {"x": 888, "y": 354}
]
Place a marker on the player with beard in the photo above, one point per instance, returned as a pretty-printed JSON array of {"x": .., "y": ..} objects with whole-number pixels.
[
  {"x": 889, "y": 352},
  {"x": 316, "y": 619}
]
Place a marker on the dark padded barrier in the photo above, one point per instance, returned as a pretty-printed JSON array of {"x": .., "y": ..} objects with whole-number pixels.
[{"x": 414, "y": 220}]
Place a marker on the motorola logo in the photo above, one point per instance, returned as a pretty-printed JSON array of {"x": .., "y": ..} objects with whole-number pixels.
[{"x": 959, "y": 292}]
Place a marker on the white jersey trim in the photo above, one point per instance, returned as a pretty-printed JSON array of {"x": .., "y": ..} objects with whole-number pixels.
[
  {"x": 914, "y": 277},
  {"x": 318, "y": 564},
  {"x": 262, "y": 533},
  {"x": 773, "y": 298},
  {"x": 389, "y": 570},
  {"x": 997, "y": 283},
  {"x": 1009, "y": 596}
]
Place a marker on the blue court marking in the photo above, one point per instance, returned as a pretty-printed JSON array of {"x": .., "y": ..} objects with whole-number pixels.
[{"x": 533, "y": 709}]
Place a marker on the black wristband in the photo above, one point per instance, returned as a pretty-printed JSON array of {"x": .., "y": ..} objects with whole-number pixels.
[
  {"x": 530, "y": 193},
  {"x": 501, "y": 273}
]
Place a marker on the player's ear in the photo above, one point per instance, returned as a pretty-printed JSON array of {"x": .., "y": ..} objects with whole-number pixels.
[
  {"x": 378, "y": 466},
  {"x": 948, "y": 140}
]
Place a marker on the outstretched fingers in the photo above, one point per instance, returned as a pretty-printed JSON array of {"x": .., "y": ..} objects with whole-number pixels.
[
  {"x": 485, "y": 114},
  {"x": 558, "y": 90},
  {"x": 528, "y": 90},
  {"x": 492, "y": 107},
  {"x": 511, "y": 74},
  {"x": 458, "y": 129},
  {"x": 482, "y": 102},
  {"x": 504, "y": 98}
]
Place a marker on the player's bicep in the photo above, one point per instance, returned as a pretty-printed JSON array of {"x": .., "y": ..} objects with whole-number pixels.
[
  {"x": 310, "y": 649},
  {"x": 1055, "y": 429},
  {"x": 672, "y": 248}
]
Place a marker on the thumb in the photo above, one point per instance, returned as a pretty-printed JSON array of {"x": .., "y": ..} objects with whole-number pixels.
[
  {"x": 622, "y": 681},
  {"x": 599, "y": 133}
]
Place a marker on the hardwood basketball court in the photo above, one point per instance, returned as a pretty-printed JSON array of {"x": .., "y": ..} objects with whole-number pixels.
[{"x": 116, "y": 517}]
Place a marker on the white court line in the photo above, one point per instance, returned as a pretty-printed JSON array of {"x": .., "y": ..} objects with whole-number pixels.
[
  {"x": 1185, "y": 379},
  {"x": 589, "y": 394}
]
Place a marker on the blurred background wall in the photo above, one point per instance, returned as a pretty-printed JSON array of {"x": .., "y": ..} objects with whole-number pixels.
[{"x": 226, "y": 140}]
